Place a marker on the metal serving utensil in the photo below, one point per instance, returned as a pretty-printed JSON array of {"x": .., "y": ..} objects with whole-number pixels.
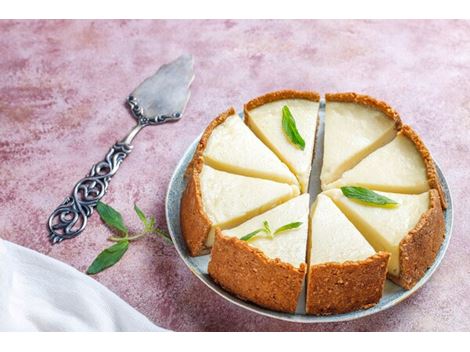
[{"x": 160, "y": 98}]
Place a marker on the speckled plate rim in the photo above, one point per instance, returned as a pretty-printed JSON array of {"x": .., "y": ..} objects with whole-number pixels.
[{"x": 172, "y": 211}]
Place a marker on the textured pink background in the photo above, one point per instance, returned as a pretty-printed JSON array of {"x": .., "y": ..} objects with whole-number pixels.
[{"x": 62, "y": 91}]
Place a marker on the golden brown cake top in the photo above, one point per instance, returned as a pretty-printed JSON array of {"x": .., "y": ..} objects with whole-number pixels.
[
  {"x": 195, "y": 223},
  {"x": 366, "y": 100},
  {"x": 197, "y": 160},
  {"x": 431, "y": 172},
  {"x": 280, "y": 95}
]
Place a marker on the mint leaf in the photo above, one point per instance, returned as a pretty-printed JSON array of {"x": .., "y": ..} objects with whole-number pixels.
[
  {"x": 368, "y": 197},
  {"x": 108, "y": 257},
  {"x": 251, "y": 235},
  {"x": 292, "y": 225},
  {"x": 140, "y": 214},
  {"x": 290, "y": 128},
  {"x": 111, "y": 217},
  {"x": 267, "y": 229}
]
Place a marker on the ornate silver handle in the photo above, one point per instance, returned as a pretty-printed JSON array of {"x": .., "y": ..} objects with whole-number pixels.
[
  {"x": 70, "y": 218},
  {"x": 160, "y": 98}
]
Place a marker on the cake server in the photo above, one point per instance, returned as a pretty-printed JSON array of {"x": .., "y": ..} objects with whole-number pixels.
[{"x": 158, "y": 99}]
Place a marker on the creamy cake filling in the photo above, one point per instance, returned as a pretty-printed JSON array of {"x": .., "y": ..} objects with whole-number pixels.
[
  {"x": 289, "y": 246},
  {"x": 266, "y": 123},
  {"x": 333, "y": 238},
  {"x": 230, "y": 199},
  {"x": 396, "y": 167},
  {"x": 363, "y": 128},
  {"x": 384, "y": 228},
  {"x": 233, "y": 147}
]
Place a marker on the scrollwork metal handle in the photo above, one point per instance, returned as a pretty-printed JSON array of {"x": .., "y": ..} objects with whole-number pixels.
[
  {"x": 70, "y": 218},
  {"x": 160, "y": 98}
]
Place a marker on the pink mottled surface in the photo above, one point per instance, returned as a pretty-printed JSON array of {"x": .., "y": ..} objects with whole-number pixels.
[{"x": 62, "y": 91}]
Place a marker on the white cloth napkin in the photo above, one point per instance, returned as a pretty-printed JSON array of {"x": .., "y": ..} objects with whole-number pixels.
[{"x": 39, "y": 293}]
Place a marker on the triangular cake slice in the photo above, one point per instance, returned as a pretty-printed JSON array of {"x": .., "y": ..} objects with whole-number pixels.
[
  {"x": 402, "y": 166},
  {"x": 355, "y": 126},
  {"x": 215, "y": 198},
  {"x": 412, "y": 232},
  {"x": 264, "y": 116},
  {"x": 345, "y": 273},
  {"x": 266, "y": 271},
  {"x": 229, "y": 145}
]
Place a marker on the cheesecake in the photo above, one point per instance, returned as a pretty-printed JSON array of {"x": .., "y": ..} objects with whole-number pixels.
[
  {"x": 402, "y": 166},
  {"x": 355, "y": 126},
  {"x": 246, "y": 203},
  {"x": 264, "y": 115},
  {"x": 215, "y": 198},
  {"x": 267, "y": 269},
  {"x": 344, "y": 272},
  {"x": 229, "y": 145},
  {"x": 412, "y": 232}
]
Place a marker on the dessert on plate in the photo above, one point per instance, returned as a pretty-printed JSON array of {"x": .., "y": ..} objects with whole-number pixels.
[
  {"x": 265, "y": 116},
  {"x": 263, "y": 259},
  {"x": 345, "y": 273},
  {"x": 380, "y": 215},
  {"x": 404, "y": 166},
  {"x": 411, "y": 232},
  {"x": 215, "y": 198},
  {"x": 362, "y": 122},
  {"x": 229, "y": 145}
]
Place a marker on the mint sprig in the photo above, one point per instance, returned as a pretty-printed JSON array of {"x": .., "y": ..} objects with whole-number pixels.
[
  {"x": 112, "y": 218},
  {"x": 292, "y": 225},
  {"x": 251, "y": 234},
  {"x": 368, "y": 197},
  {"x": 108, "y": 257},
  {"x": 290, "y": 128},
  {"x": 267, "y": 230}
]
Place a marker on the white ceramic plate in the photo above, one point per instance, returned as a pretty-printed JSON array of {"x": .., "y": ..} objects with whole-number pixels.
[{"x": 393, "y": 294}]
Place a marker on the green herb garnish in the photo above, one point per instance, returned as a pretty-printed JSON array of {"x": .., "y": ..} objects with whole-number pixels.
[
  {"x": 292, "y": 225},
  {"x": 113, "y": 219},
  {"x": 267, "y": 229},
  {"x": 108, "y": 257},
  {"x": 290, "y": 128},
  {"x": 251, "y": 234},
  {"x": 368, "y": 197}
]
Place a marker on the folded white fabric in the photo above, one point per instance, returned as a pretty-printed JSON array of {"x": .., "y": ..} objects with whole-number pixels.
[{"x": 39, "y": 293}]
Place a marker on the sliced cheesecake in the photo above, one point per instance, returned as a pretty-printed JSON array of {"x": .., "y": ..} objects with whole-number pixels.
[
  {"x": 264, "y": 115},
  {"x": 229, "y": 145},
  {"x": 267, "y": 269},
  {"x": 345, "y": 273},
  {"x": 403, "y": 166},
  {"x": 215, "y": 198},
  {"x": 355, "y": 126},
  {"x": 411, "y": 232}
]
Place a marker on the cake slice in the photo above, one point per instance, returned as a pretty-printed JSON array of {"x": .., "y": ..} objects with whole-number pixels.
[
  {"x": 402, "y": 166},
  {"x": 264, "y": 115},
  {"x": 215, "y": 198},
  {"x": 345, "y": 273},
  {"x": 355, "y": 126},
  {"x": 265, "y": 270},
  {"x": 229, "y": 145},
  {"x": 411, "y": 232}
]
